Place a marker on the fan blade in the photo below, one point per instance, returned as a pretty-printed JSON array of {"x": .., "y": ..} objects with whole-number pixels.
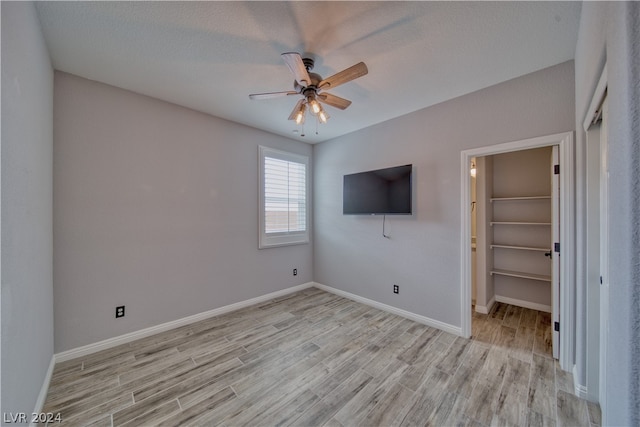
[
  {"x": 295, "y": 110},
  {"x": 299, "y": 71},
  {"x": 344, "y": 76},
  {"x": 271, "y": 94},
  {"x": 334, "y": 101}
]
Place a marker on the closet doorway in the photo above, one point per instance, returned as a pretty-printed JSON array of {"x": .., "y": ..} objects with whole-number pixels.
[{"x": 516, "y": 226}]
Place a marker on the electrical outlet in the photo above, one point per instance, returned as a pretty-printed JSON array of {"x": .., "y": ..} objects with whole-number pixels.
[
  {"x": 120, "y": 311},
  {"x": 295, "y": 271},
  {"x": 396, "y": 289}
]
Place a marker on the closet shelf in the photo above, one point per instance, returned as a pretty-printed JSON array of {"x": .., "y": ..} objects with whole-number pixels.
[
  {"x": 520, "y": 274},
  {"x": 505, "y": 199},
  {"x": 518, "y": 223},
  {"x": 523, "y": 248}
]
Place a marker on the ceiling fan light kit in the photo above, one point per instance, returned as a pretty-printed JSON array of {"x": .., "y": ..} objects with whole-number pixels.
[
  {"x": 311, "y": 86},
  {"x": 300, "y": 113}
]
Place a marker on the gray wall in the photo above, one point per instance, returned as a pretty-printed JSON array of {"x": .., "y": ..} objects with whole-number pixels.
[
  {"x": 612, "y": 31},
  {"x": 27, "y": 293},
  {"x": 423, "y": 254},
  {"x": 156, "y": 208}
]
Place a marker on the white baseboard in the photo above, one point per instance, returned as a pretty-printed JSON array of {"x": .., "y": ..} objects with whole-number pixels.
[
  {"x": 486, "y": 309},
  {"x": 409, "y": 315},
  {"x": 42, "y": 396},
  {"x": 579, "y": 389},
  {"x": 132, "y": 336},
  {"x": 525, "y": 304}
]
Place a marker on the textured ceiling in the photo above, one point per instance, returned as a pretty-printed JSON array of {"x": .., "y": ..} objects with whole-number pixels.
[{"x": 210, "y": 55}]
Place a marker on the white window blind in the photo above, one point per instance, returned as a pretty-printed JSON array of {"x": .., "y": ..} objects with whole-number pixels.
[{"x": 284, "y": 196}]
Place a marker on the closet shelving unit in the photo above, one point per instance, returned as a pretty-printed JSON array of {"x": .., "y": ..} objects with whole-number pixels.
[
  {"x": 518, "y": 223},
  {"x": 531, "y": 226},
  {"x": 522, "y": 275}
]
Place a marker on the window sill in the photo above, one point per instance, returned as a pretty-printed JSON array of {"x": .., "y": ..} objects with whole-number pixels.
[{"x": 279, "y": 241}]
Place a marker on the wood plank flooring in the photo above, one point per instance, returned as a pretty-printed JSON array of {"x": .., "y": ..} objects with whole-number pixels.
[{"x": 313, "y": 358}]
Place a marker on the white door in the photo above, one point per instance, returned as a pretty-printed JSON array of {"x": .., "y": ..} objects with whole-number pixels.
[
  {"x": 555, "y": 254},
  {"x": 604, "y": 251}
]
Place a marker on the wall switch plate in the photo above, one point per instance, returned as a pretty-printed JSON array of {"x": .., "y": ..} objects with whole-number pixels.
[
  {"x": 396, "y": 289},
  {"x": 120, "y": 311},
  {"x": 295, "y": 271}
]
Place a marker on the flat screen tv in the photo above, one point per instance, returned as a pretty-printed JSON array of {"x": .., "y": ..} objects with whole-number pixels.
[{"x": 378, "y": 192}]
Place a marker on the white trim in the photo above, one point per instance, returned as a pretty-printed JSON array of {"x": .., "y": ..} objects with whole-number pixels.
[
  {"x": 132, "y": 336},
  {"x": 486, "y": 310},
  {"x": 465, "y": 247},
  {"x": 568, "y": 251},
  {"x": 285, "y": 238},
  {"x": 593, "y": 377},
  {"x": 596, "y": 99},
  {"x": 42, "y": 396},
  {"x": 525, "y": 304},
  {"x": 388, "y": 308},
  {"x": 555, "y": 261},
  {"x": 565, "y": 141},
  {"x": 579, "y": 389}
]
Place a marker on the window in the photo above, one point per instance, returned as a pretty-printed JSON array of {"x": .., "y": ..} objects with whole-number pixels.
[{"x": 284, "y": 195}]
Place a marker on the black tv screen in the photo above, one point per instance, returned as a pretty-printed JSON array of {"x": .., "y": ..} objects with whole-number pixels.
[{"x": 378, "y": 192}]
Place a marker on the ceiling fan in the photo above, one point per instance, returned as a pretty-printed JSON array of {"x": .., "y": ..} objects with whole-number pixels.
[{"x": 312, "y": 86}]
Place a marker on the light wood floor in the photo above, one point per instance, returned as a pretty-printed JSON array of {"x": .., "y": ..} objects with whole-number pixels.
[{"x": 313, "y": 358}]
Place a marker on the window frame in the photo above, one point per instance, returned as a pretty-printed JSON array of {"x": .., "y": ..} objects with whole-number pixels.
[{"x": 270, "y": 240}]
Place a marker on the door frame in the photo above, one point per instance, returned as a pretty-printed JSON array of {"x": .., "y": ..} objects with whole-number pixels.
[
  {"x": 597, "y": 313},
  {"x": 566, "y": 145},
  {"x": 555, "y": 237},
  {"x": 604, "y": 257}
]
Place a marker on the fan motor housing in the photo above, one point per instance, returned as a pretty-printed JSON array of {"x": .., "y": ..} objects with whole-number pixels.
[{"x": 315, "y": 80}]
